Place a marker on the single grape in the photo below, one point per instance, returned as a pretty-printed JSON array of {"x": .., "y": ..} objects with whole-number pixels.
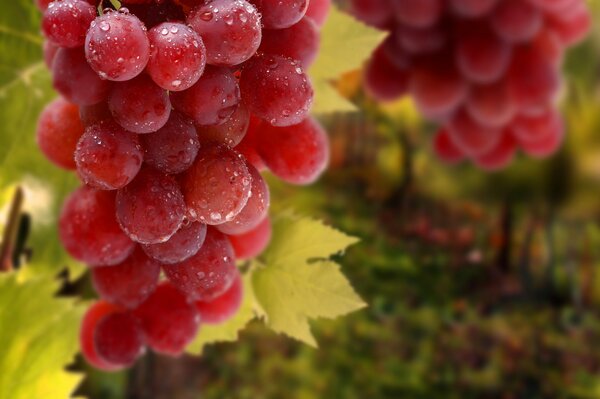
[
  {"x": 217, "y": 186},
  {"x": 299, "y": 42},
  {"x": 156, "y": 13},
  {"x": 97, "y": 312},
  {"x": 418, "y": 13},
  {"x": 212, "y": 100},
  {"x": 66, "y": 22},
  {"x": 108, "y": 157},
  {"x": 50, "y": 50},
  {"x": 535, "y": 129},
  {"x": 75, "y": 80},
  {"x": 318, "y": 10},
  {"x": 59, "y": 129},
  {"x": 470, "y": 137},
  {"x": 151, "y": 208},
  {"x": 481, "y": 56},
  {"x": 169, "y": 322},
  {"x": 372, "y": 12},
  {"x": 181, "y": 246},
  {"x": 491, "y": 105},
  {"x": 209, "y": 273},
  {"x": 89, "y": 230},
  {"x": 419, "y": 40},
  {"x": 177, "y": 56},
  {"x": 549, "y": 45},
  {"x": 118, "y": 339},
  {"x": 573, "y": 26},
  {"x": 174, "y": 147},
  {"x": 248, "y": 146},
  {"x": 279, "y": 14},
  {"x": 472, "y": 8},
  {"x": 445, "y": 149},
  {"x": 129, "y": 283},
  {"x": 541, "y": 143},
  {"x": 231, "y": 30},
  {"x": 91, "y": 114},
  {"x": 224, "y": 307},
  {"x": 516, "y": 21},
  {"x": 383, "y": 80},
  {"x": 296, "y": 154},
  {"x": 139, "y": 105},
  {"x": 500, "y": 156},
  {"x": 252, "y": 243},
  {"x": 229, "y": 133},
  {"x": 116, "y": 46},
  {"x": 256, "y": 208},
  {"x": 276, "y": 89}
]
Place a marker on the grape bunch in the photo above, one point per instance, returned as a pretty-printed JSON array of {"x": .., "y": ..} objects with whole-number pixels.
[
  {"x": 487, "y": 71},
  {"x": 169, "y": 112}
]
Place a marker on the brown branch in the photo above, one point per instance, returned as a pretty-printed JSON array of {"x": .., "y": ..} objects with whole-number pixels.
[{"x": 10, "y": 231}]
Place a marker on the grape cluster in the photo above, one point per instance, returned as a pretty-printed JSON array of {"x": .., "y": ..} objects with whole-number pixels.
[
  {"x": 488, "y": 71},
  {"x": 169, "y": 111}
]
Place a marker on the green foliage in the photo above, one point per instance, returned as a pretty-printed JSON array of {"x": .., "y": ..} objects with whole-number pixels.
[{"x": 38, "y": 338}]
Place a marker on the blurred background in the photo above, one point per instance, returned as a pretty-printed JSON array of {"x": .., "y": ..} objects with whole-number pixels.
[{"x": 480, "y": 285}]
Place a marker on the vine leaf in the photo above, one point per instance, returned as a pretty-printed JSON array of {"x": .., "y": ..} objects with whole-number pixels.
[
  {"x": 25, "y": 87},
  {"x": 296, "y": 282},
  {"x": 345, "y": 45},
  {"x": 38, "y": 338}
]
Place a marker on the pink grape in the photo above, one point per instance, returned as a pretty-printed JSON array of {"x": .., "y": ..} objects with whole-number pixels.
[
  {"x": 276, "y": 89},
  {"x": 231, "y": 132},
  {"x": 296, "y": 154},
  {"x": 279, "y": 14},
  {"x": 208, "y": 274},
  {"x": 119, "y": 339},
  {"x": 116, "y": 46},
  {"x": 151, "y": 208},
  {"x": 231, "y": 30},
  {"x": 168, "y": 321},
  {"x": 318, "y": 10},
  {"x": 108, "y": 157},
  {"x": 572, "y": 27},
  {"x": 177, "y": 56},
  {"x": 173, "y": 148},
  {"x": 130, "y": 282},
  {"x": 251, "y": 244},
  {"x": 59, "y": 129},
  {"x": 89, "y": 230},
  {"x": 66, "y": 22},
  {"x": 217, "y": 186},
  {"x": 181, "y": 246},
  {"x": 224, "y": 307},
  {"x": 212, "y": 100},
  {"x": 75, "y": 80},
  {"x": 256, "y": 208},
  {"x": 139, "y": 105},
  {"x": 299, "y": 42}
]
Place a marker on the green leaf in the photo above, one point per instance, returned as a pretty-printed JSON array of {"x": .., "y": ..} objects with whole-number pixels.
[
  {"x": 345, "y": 45},
  {"x": 228, "y": 331},
  {"x": 296, "y": 282},
  {"x": 25, "y": 87},
  {"x": 38, "y": 338}
]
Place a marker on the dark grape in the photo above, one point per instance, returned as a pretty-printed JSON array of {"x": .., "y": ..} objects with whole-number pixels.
[
  {"x": 119, "y": 339},
  {"x": 91, "y": 114},
  {"x": 472, "y": 8},
  {"x": 384, "y": 81},
  {"x": 445, "y": 149},
  {"x": 248, "y": 146},
  {"x": 97, "y": 312},
  {"x": 229, "y": 133}
]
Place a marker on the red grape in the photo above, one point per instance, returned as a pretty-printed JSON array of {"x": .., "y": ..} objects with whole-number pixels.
[
  {"x": 181, "y": 246},
  {"x": 139, "y": 105},
  {"x": 472, "y": 8},
  {"x": 470, "y": 137},
  {"x": 89, "y": 230},
  {"x": 116, "y": 46},
  {"x": 318, "y": 10},
  {"x": 445, "y": 149},
  {"x": 59, "y": 129},
  {"x": 225, "y": 306},
  {"x": 500, "y": 156},
  {"x": 177, "y": 56},
  {"x": 276, "y": 89},
  {"x": 212, "y": 100},
  {"x": 66, "y": 22},
  {"x": 50, "y": 50},
  {"x": 573, "y": 26},
  {"x": 217, "y": 186},
  {"x": 156, "y": 13},
  {"x": 255, "y": 210},
  {"x": 253, "y": 243},
  {"x": 118, "y": 339},
  {"x": 107, "y": 156},
  {"x": 418, "y": 13},
  {"x": 209, "y": 273},
  {"x": 418, "y": 40},
  {"x": 516, "y": 21},
  {"x": 384, "y": 81},
  {"x": 279, "y": 14},
  {"x": 231, "y": 30},
  {"x": 373, "y": 12},
  {"x": 151, "y": 208},
  {"x": 491, "y": 105},
  {"x": 75, "y": 80},
  {"x": 91, "y": 114},
  {"x": 130, "y": 282},
  {"x": 174, "y": 147},
  {"x": 168, "y": 321},
  {"x": 536, "y": 129},
  {"x": 299, "y": 42},
  {"x": 248, "y": 146},
  {"x": 97, "y": 312},
  {"x": 229, "y": 133}
]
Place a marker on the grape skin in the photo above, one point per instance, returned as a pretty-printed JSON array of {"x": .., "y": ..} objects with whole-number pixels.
[
  {"x": 118, "y": 339},
  {"x": 225, "y": 306},
  {"x": 181, "y": 246},
  {"x": 66, "y": 22},
  {"x": 251, "y": 244},
  {"x": 95, "y": 314}
]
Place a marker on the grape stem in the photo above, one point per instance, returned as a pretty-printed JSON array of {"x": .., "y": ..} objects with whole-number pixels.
[{"x": 10, "y": 232}]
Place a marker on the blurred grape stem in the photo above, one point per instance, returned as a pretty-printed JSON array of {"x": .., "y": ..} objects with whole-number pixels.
[{"x": 10, "y": 232}]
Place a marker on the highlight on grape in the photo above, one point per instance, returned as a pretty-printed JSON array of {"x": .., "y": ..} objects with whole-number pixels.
[{"x": 168, "y": 112}]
